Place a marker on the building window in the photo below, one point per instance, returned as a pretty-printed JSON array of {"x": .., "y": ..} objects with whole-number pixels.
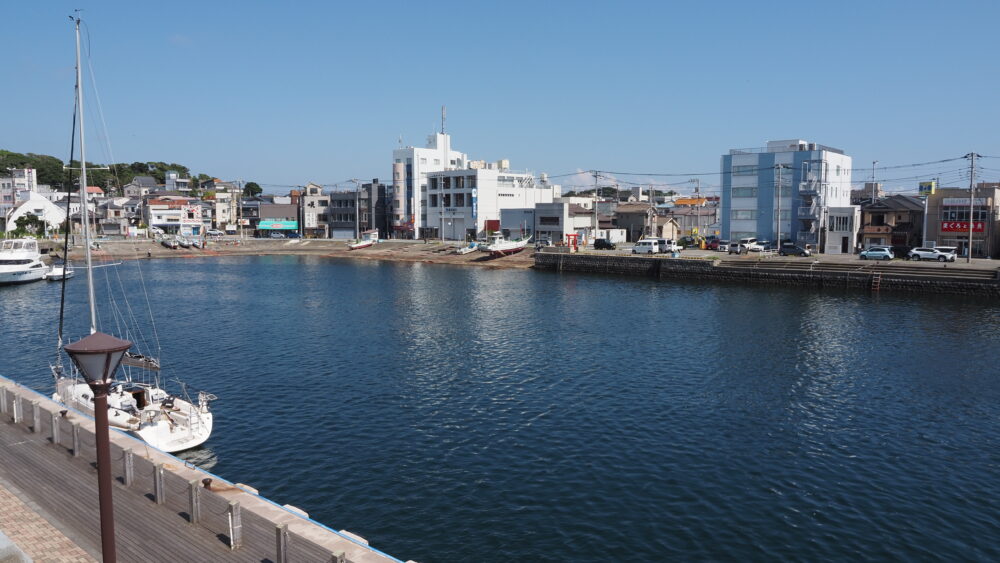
[
  {"x": 423, "y": 161},
  {"x": 744, "y": 192},
  {"x": 744, "y": 214},
  {"x": 542, "y": 220},
  {"x": 459, "y": 200},
  {"x": 840, "y": 223},
  {"x": 471, "y": 181},
  {"x": 437, "y": 161},
  {"x": 749, "y": 170},
  {"x": 434, "y": 200},
  {"x": 434, "y": 183}
]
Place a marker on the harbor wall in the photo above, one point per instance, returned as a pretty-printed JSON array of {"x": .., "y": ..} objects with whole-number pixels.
[
  {"x": 867, "y": 277},
  {"x": 168, "y": 488}
]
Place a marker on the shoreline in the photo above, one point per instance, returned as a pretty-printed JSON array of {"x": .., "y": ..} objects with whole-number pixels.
[{"x": 394, "y": 250}]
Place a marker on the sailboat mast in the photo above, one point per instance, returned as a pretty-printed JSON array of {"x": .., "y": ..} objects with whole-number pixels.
[{"x": 83, "y": 186}]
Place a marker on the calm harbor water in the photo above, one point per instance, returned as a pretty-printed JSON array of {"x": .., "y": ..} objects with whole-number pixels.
[{"x": 464, "y": 414}]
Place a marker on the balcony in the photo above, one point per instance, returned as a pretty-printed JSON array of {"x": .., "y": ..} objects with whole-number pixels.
[
  {"x": 811, "y": 187},
  {"x": 810, "y": 213}
]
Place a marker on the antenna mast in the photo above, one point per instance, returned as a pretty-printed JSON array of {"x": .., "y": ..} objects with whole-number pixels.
[{"x": 444, "y": 115}]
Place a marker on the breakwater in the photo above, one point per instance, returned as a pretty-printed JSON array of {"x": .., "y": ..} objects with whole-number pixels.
[{"x": 868, "y": 276}]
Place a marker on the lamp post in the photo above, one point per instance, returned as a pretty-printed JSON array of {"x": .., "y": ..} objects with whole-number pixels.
[{"x": 97, "y": 357}]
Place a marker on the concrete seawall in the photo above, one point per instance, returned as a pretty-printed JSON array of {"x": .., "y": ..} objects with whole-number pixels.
[{"x": 868, "y": 276}]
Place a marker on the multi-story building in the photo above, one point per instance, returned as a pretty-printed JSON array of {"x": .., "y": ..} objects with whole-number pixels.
[
  {"x": 790, "y": 190},
  {"x": 466, "y": 203},
  {"x": 315, "y": 212},
  {"x": 948, "y": 219},
  {"x": 410, "y": 168},
  {"x": 381, "y": 211},
  {"x": 350, "y": 213}
]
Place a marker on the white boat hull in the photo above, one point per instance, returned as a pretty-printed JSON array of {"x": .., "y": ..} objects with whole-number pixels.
[
  {"x": 22, "y": 276},
  {"x": 168, "y": 425}
]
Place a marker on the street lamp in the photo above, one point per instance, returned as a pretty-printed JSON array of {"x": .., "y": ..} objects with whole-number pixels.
[{"x": 97, "y": 357}]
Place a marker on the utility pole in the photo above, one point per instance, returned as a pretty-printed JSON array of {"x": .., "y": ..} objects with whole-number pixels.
[
  {"x": 357, "y": 208},
  {"x": 972, "y": 199},
  {"x": 874, "y": 183},
  {"x": 777, "y": 215},
  {"x": 593, "y": 235}
]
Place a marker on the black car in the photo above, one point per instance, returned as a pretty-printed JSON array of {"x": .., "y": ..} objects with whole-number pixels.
[
  {"x": 793, "y": 250},
  {"x": 604, "y": 244}
]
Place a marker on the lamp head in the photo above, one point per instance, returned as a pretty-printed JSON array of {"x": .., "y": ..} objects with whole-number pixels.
[{"x": 98, "y": 356}]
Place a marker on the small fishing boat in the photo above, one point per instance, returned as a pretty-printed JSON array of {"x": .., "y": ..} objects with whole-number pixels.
[
  {"x": 497, "y": 245},
  {"x": 471, "y": 247},
  {"x": 59, "y": 271},
  {"x": 368, "y": 238}
]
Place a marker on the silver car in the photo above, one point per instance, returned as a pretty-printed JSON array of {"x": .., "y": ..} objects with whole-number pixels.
[{"x": 918, "y": 254}]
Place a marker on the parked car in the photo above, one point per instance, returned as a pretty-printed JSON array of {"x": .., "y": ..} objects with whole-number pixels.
[
  {"x": 277, "y": 235},
  {"x": 214, "y": 233},
  {"x": 736, "y": 248},
  {"x": 918, "y": 254},
  {"x": 669, "y": 245},
  {"x": 293, "y": 235},
  {"x": 794, "y": 250},
  {"x": 543, "y": 242},
  {"x": 718, "y": 244},
  {"x": 604, "y": 244},
  {"x": 766, "y": 245},
  {"x": 876, "y": 253},
  {"x": 751, "y": 244},
  {"x": 155, "y": 231},
  {"x": 646, "y": 246}
]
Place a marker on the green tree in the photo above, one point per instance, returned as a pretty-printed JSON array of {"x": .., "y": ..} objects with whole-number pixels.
[
  {"x": 252, "y": 189},
  {"x": 29, "y": 225}
]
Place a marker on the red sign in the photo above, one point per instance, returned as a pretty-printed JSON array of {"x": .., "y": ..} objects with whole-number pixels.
[{"x": 961, "y": 226}]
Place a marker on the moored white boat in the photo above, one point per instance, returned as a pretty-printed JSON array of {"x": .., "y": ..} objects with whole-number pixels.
[
  {"x": 368, "y": 238},
  {"x": 59, "y": 271},
  {"x": 20, "y": 261}
]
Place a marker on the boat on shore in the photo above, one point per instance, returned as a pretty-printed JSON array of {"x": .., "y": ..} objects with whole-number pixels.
[
  {"x": 368, "y": 238},
  {"x": 471, "y": 247},
  {"x": 497, "y": 245},
  {"x": 20, "y": 261}
]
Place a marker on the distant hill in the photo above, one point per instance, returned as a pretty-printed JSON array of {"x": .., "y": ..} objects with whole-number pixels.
[{"x": 50, "y": 170}]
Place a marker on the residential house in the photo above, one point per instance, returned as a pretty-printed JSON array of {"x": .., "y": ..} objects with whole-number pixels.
[
  {"x": 896, "y": 221},
  {"x": 140, "y": 187},
  {"x": 40, "y": 207},
  {"x": 315, "y": 212},
  {"x": 278, "y": 218},
  {"x": 948, "y": 219}
]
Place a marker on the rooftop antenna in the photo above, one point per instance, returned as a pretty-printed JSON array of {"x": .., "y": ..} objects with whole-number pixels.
[
  {"x": 444, "y": 115},
  {"x": 400, "y": 140}
]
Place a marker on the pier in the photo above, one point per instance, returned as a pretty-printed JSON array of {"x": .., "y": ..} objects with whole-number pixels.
[{"x": 165, "y": 509}]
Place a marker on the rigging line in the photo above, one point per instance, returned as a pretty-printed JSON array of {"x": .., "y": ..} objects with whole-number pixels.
[
  {"x": 142, "y": 283},
  {"x": 131, "y": 321},
  {"x": 104, "y": 125},
  {"x": 62, "y": 290}
]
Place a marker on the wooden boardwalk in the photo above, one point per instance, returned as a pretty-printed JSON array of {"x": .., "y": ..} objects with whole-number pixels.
[{"x": 154, "y": 496}]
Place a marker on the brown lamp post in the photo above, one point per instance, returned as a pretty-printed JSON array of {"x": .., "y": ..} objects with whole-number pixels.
[{"x": 97, "y": 357}]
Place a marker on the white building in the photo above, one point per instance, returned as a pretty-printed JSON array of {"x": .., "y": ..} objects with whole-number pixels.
[
  {"x": 36, "y": 205},
  {"x": 815, "y": 185},
  {"x": 467, "y": 203},
  {"x": 410, "y": 167}
]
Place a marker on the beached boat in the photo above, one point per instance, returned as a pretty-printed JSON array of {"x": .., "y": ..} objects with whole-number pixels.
[
  {"x": 20, "y": 261},
  {"x": 368, "y": 238},
  {"x": 471, "y": 247},
  {"x": 497, "y": 245},
  {"x": 136, "y": 400}
]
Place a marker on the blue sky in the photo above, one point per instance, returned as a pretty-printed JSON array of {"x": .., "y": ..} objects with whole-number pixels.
[{"x": 292, "y": 92}]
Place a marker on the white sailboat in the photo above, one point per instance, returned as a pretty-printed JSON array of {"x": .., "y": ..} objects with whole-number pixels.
[
  {"x": 167, "y": 422},
  {"x": 59, "y": 271}
]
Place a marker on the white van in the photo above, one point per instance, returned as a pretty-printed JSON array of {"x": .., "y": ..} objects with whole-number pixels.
[
  {"x": 646, "y": 246},
  {"x": 751, "y": 244}
]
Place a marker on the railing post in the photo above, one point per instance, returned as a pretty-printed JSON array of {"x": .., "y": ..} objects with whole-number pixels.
[
  {"x": 17, "y": 409},
  {"x": 129, "y": 467},
  {"x": 235, "y": 526},
  {"x": 34, "y": 416},
  {"x": 76, "y": 439},
  {"x": 158, "y": 491},
  {"x": 55, "y": 428},
  {"x": 281, "y": 542},
  {"x": 195, "y": 501},
  {"x": 3, "y": 398},
  {"x": 338, "y": 557}
]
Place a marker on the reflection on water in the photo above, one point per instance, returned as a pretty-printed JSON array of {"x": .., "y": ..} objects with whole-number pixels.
[{"x": 201, "y": 457}]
